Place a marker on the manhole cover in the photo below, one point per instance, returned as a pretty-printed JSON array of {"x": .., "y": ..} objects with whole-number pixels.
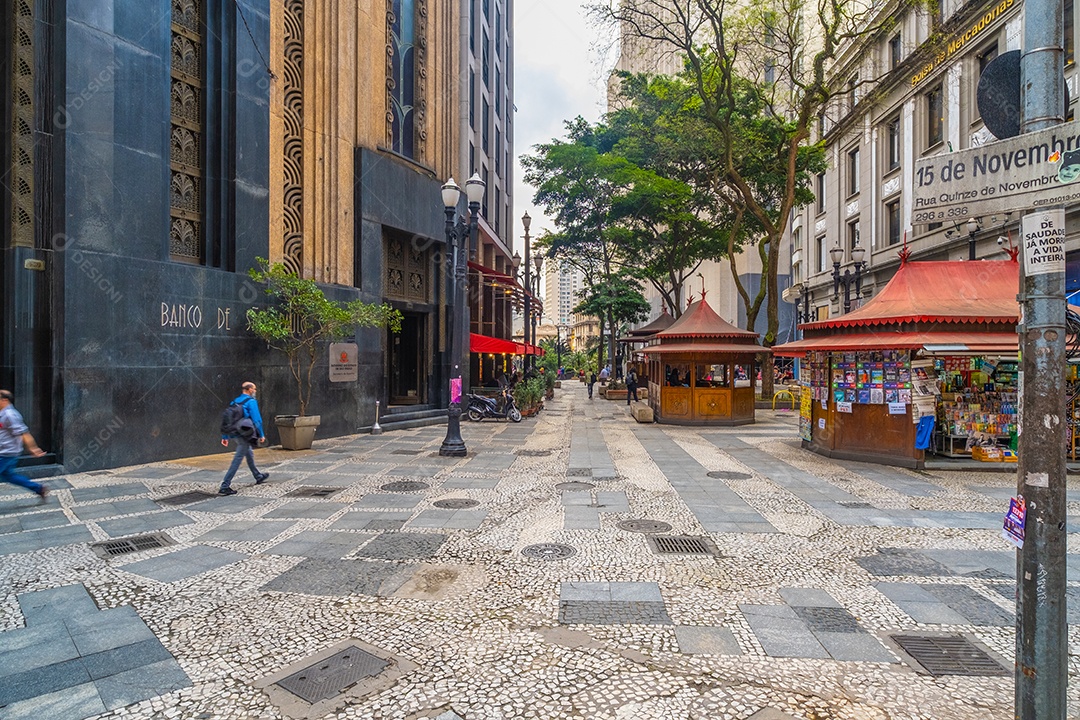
[
  {"x": 455, "y": 503},
  {"x": 329, "y": 677},
  {"x": 681, "y": 545},
  {"x": 126, "y": 546},
  {"x": 533, "y": 453},
  {"x": 949, "y": 655},
  {"x": 185, "y": 498},
  {"x": 574, "y": 486},
  {"x": 729, "y": 475},
  {"x": 855, "y": 504},
  {"x": 405, "y": 452},
  {"x": 312, "y": 492},
  {"x": 405, "y": 486},
  {"x": 548, "y": 551},
  {"x": 579, "y": 472},
  {"x": 644, "y": 526}
]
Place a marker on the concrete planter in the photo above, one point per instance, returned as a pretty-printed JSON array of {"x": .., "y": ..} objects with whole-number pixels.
[
  {"x": 297, "y": 431},
  {"x": 615, "y": 394}
]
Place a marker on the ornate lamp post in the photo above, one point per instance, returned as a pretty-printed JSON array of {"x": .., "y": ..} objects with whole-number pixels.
[
  {"x": 526, "y": 222},
  {"x": 461, "y": 236},
  {"x": 538, "y": 261},
  {"x": 972, "y": 228},
  {"x": 848, "y": 278}
]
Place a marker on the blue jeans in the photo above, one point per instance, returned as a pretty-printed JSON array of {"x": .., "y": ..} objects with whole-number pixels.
[
  {"x": 243, "y": 450},
  {"x": 8, "y": 475}
]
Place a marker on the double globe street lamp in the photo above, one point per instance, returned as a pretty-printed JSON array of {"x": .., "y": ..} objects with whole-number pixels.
[
  {"x": 848, "y": 278},
  {"x": 526, "y": 276},
  {"x": 461, "y": 236}
]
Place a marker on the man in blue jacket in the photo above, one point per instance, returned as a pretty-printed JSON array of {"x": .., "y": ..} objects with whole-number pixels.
[{"x": 249, "y": 434}]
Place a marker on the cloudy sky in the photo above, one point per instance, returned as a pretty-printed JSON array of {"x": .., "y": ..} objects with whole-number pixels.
[{"x": 561, "y": 62}]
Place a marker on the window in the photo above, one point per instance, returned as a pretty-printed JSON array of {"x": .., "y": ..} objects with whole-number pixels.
[
  {"x": 935, "y": 120},
  {"x": 937, "y": 14},
  {"x": 892, "y": 143},
  {"x": 892, "y": 221},
  {"x": 988, "y": 53},
  {"x": 472, "y": 99},
  {"x": 484, "y": 130},
  {"x": 1070, "y": 44},
  {"x": 821, "y": 193},
  {"x": 485, "y": 63},
  {"x": 497, "y": 154},
  {"x": 853, "y": 234},
  {"x": 472, "y": 26},
  {"x": 853, "y": 92},
  {"x": 403, "y": 73},
  {"x": 822, "y": 254},
  {"x": 853, "y": 171},
  {"x": 498, "y": 91},
  {"x": 895, "y": 51}
]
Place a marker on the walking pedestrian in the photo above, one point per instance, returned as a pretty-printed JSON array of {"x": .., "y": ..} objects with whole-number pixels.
[
  {"x": 14, "y": 435},
  {"x": 592, "y": 381},
  {"x": 631, "y": 385},
  {"x": 248, "y": 435}
]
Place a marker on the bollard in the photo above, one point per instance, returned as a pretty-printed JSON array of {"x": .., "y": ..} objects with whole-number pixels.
[{"x": 375, "y": 429}]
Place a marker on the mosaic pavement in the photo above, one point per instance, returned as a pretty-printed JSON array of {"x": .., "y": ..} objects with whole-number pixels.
[{"x": 330, "y": 592}]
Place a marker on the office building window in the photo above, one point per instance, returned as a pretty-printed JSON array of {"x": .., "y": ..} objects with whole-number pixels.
[
  {"x": 820, "y": 193},
  {"x": 402, "y": 88},
  {"x": 892, "y": 143},
  {"x": 497, "y": 153},
  {"x": 895, "y": 51},
  {"x": 822, "y": 254},
  {"x": 486, "y": 61},
  {"x": 853, "y": 234},
  {"x": 853, "y": 171},
  {"x": 472, "y": 98},
  {"x": 1070, "y": 43},
  {"x": 498, "y": 92},
  {"x": 935, "y": 116},
  {"x": 892, "y": 221},
  {"x": 853, "y": 92},
  {"x": 486, "y": 118}
]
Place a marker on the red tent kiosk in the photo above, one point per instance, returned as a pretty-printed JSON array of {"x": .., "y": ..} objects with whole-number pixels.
[
  {"x": 938, "y": 341},
  {"x": 702, "y": 369}
]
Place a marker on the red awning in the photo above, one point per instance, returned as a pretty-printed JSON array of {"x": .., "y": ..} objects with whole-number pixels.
[
  {"x": 705, "y": 348},
  {"x": 498, "y": 346},
  {"x": 940, "y": 291},
  {"x": 943, "y": 343}
]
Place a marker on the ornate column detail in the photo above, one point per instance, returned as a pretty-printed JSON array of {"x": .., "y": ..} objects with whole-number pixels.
[
  {"x": 293, "y": 157},
  {"x": 185, "y": 147},
  {"x": 420, "y": 119},
  {"x": 22, "y": 125}
]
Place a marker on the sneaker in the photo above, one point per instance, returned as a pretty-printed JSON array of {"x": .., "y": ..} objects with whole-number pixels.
[
  {"x": 43, "y": 494},
  {"x": 226, "y": 491},
  {"x": 262, "y": 478}
]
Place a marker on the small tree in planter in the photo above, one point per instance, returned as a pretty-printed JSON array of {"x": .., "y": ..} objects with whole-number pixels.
[
  {"x": 299, "y": 322},
  {"x": 528, "y": 395}
]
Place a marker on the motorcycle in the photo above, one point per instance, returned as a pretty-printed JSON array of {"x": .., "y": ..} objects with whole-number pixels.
[{"x": 481, "y": 407}]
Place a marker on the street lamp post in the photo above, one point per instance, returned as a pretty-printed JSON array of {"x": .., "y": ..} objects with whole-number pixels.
[
  {"x": 538, "y": 262},
  {"x": 848, "y": 278},
  {"x": 526, "y": 222},
  {"x": 461, "y": 236},
  {"x": 972, "y": 228}
]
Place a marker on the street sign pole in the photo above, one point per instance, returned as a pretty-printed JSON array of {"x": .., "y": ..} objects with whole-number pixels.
[{"x": 1041, "y": 640}]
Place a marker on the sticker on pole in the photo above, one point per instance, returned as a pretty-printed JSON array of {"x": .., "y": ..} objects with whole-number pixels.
[
  {"x": 455, "y": 390},
  {"x": 1043, "y": 236},
  {"x": 1013, "y": 529}
]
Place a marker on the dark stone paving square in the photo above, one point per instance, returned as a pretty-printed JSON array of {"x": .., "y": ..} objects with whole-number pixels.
[
  {"x": 305, "y": 509},
  {"x": 229, "y": 504},
  {"x": 184, "y": 563},
  {"x": 135, "y": 525},
  {"x": 612, "y": 612},
  {"x": 828, "y": 619},
  {"x": 319, "y": 544},
  {"x": 142, "y": 683},
  {"x": 898, "y": 561},
  {"x": 45, "y": 538},
  {"x": 973, "y": 606},
  {"x": 371, "y": 520},
  {"x": 108, "y": 491},
  {"x": 153, "y": 473},
  {"x": 317, "y": 576},
  {"x": 116, "y": 509},
  {"x": 70, "y": 703},
  {"x": 247, "y": 531},
  {"x": 33, "y": 521},
  {"x": 214, "y": 476},
  {"x": 403, "y": 546}
]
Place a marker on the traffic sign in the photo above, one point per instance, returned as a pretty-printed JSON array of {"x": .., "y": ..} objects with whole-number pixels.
[{"x": 1039, "y": 169}]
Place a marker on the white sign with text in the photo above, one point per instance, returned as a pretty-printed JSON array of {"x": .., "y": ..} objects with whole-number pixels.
[{"x": 1043, "y": 238}]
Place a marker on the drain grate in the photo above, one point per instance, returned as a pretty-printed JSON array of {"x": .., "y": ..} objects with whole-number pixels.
[
  {"x": 456, "y": 503},
  {"x": 729, "y": 475},
  {"x": 405, "y": 486},
  {"x": 644, "y": 526},
  {"x": 574, "y": 486},
  {"x": 533, "y": 453},
  {"x": 332, "y": 676},
  {"x": 855, "y": 504},
  {"x": 949, "y": 655},
  {"x": 126, "y": 546},
  {"x": 406, "y": 452},
  {"x": 312, "y": 492},
  {"x": 185, "y": 498},
  {"x": 548, "y": 551},
  {"x": 681, "y": 545}
]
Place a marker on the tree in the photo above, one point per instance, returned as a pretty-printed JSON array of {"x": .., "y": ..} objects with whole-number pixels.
[
  {"x": 618, "y": 299},
  {"x": 761, "y": 73},
  {"x": 301, "y": 318}
]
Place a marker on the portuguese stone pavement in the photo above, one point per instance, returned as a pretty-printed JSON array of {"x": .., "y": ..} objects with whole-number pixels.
[{"x": 575, "y": 565}]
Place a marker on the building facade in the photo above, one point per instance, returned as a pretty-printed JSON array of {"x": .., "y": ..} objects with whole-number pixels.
[{"x": 157, "y": 149}]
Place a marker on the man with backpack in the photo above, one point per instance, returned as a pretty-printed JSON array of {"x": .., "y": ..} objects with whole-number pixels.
[
  {"x": 631, "y": 385},
  {"x": 242, "y": 422}
]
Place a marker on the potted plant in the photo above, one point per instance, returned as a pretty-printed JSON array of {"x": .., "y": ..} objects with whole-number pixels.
[
  {"x": 299, "y": 321},
  {"x": 549, "y": 385},
  {"x": 528, "y": 396}
]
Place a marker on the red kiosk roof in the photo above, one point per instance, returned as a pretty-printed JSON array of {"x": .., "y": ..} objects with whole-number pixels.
[
  {"x": 662, "y": 322},
  {"x": 701, "y": 321},
  {"x": 940, "y": 291}
]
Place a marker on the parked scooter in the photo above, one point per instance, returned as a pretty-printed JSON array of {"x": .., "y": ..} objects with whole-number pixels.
[{"x": 481, "y": 407}]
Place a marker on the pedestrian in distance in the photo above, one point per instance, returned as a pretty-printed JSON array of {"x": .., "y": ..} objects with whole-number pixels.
[
  {"x": 631, "y": 385},
  {"x": 605, "y": 374},
  {"x": 247, "y": 429},
  {"x": 592, "y": 381},
  {"x": 14, "y": 435}
]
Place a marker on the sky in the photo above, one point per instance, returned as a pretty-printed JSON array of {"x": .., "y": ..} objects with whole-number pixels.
[{"x": 561, "y": 63}]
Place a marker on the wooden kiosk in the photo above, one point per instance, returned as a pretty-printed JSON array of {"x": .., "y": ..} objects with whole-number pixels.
[
  {"x": 929, "y": 310},
  {"x": 702, "y": 370}
]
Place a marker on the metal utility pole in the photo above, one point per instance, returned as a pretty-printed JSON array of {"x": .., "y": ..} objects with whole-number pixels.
[{"x": 1041, "y": 641}]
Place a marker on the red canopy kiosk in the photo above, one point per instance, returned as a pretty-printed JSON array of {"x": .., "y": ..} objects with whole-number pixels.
[
  {"x": 938, "y": 341},
  {"x": 702, "y": 370}
]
